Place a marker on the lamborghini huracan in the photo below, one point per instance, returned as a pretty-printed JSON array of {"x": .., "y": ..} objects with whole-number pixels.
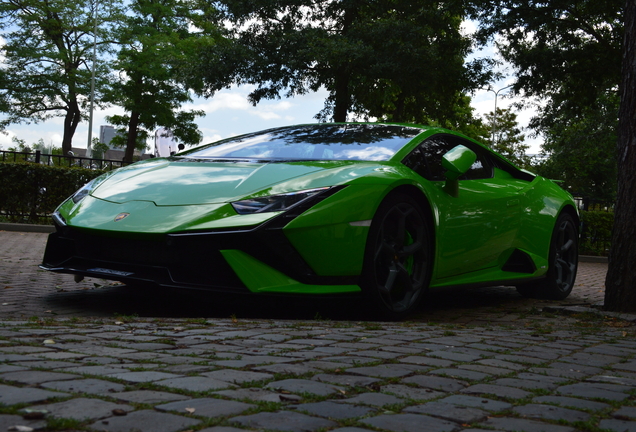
[{"x": 385, "y": 211}]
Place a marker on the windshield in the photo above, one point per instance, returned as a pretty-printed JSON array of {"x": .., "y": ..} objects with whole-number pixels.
[{"x": 368, "y": 142}]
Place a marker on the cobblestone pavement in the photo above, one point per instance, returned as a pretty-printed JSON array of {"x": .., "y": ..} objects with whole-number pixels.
[{"x": 98, "y": 357}]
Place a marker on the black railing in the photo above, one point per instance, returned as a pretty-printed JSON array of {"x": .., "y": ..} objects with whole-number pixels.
[{"x": 60, "y": 160}]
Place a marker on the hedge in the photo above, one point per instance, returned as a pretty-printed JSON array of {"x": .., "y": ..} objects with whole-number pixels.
[
  {"x": 596, "y": 232},
  {"x": 30, "y": 192}
]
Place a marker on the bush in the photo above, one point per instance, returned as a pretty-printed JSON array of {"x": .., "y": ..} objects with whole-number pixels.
[
  {"x": 596, "y": 232},
  {"x": 31, "y": 192}
]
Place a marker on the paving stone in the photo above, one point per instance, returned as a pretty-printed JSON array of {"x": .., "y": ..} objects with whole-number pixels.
[
  {"x": 523, "y": 425},
  {"x": 592, "y": 390},
  {"x": 258, "y": 394},
  {"x": 194, "y": 383},
  {"x": 207, "y": 407},
  {"x": 621, "y": 380},
  {"x": 498, "y": 363},
  {"x": 332, "y": 410},
  {"x": 410, "y": 423},
  {"x": 381, "y": 371},
  {"x": 461, "y": 374},
  {"x": 144, "y": 421},
  {"x": 526, "y": 384},
  {"x": 455, "y": 356},
  {"x": 304, "y": 386},
  {"x": 585, "y": 370},
  {"x": 435, "y": 383},
  {"x": 36, "y": 377},
  {"x": 83, "y": 409},
  {"x": 89, "y": 385},
  {"x": 446, "y": 411},
  {"x": 490, "y": 370},
  {"x": 591, "y": 359},
  {"x": 547, "y": 412},
  {"x": 540, "y": 377},
  {"x": 284, "y": 421},
  {"x": 427, "y": 361},
  {"x": 149, "y": 396},
  {"x": 284, "y": 368},
  {"x": 345, "y": 380},
  {"x": 99, "y": 370},
  {"x": 618, "y": 425},
  {"x": 519, "y": 359},
  {"x": 237, "y": 377},
  {"x": 222, "y": 429},
  {"x": 11, "y": 368},
  {"x": 46, "y": 364},
  {"x": 10, "y": 395},
  {"x": 373, "y": 399},
  {"x": 414, "y": 393},
  {"x": 476, "y": 402},
  {"x": 8, "y": 421},
  {"x": 144, "y": 376},
  {"x": 625, "y": 413},
  {"x": 497, "y": 390},
  {"x": 629, "y": 366},
  {"x": 572, "y": 402}
]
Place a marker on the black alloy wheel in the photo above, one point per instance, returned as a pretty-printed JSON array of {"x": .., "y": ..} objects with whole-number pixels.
[{"x": 397, "y": 259}]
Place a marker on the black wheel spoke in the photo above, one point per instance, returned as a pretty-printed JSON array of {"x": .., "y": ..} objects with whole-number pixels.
[{"x": 399, "y": 256}]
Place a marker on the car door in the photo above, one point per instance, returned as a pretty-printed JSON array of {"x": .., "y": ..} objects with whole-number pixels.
[{"x": 476, "y": 229}]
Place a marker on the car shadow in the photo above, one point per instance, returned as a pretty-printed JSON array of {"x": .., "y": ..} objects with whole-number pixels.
[{"x": 121, "y": 300}]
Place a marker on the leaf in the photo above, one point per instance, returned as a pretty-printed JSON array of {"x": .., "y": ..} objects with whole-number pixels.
[{"x": 190, "y": 410}]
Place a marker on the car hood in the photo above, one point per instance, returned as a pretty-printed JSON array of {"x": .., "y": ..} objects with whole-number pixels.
[{"x": 186, "y": 182}]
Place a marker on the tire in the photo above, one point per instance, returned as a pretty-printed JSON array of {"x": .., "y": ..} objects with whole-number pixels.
[
  {"x": 564, "y": 261},
  {"x": 397, "y": 261}
]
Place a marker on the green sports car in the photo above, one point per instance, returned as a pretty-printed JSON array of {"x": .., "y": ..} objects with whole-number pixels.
[{"x": 387, "y": 211}]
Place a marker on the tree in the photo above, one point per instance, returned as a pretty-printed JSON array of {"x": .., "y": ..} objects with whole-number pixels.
[
  {"x": 581, "y": 151},
  {"x": 566, "y": 53},
  {"x": 46, "y": 71},
  {"x": 620, "y": 292},
  {"x": 505, "y": 137},
  {"x": 158, "y": 38},
  {"x": 395, "y": 59}
]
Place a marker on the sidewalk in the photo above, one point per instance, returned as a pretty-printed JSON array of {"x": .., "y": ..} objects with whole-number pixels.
[{"x": 94, "y": 356}]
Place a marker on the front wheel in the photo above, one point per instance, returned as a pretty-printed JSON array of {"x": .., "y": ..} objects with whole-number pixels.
[
  {"x": 397, "y": 257},
  {"x": 564, "y": 261}
]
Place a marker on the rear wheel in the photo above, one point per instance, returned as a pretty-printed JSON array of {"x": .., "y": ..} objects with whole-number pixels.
[
  {"x": 397, "y": 257},
  {"x": 564, "y": 261}
]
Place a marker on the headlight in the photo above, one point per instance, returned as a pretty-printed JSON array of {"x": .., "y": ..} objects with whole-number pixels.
[
  {"x": 82, "y": 192},
  {"x": 274, "y": 203}
]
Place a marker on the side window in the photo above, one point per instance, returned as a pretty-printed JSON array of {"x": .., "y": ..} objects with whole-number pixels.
[
  {"x": 426, "y": 159},
  {"x": 482, "y": 168}
]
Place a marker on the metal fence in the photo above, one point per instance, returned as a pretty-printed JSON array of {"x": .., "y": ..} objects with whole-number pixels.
[{"x": 60, "y": 160}]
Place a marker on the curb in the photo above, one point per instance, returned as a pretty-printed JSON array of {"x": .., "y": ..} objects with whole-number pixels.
[
  {"x": 573, "y": 310},
  {"x": 27, "y": 227}
]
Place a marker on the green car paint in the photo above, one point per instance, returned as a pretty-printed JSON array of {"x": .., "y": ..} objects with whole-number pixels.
[
  {"x": 261, "y": 278},
  {"x": 476, "y": 229}
]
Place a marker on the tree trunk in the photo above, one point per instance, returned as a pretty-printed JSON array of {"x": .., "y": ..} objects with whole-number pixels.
[
  {"x": 342, "y": 97},
  {"x": 131, "y": 141},
  {"x": 620, "y": 284},
  {"x": 71, "y": 120}
]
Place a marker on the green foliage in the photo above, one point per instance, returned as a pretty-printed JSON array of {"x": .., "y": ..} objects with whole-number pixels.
[
  {"x": 396, "y": 60},
  {"x": 582, "y": 151},
  {"x": 158, "y": 38},
  {"x": 30, "y": 192},
  {"x": 46, "y": 70},
  {"x": 505, "y": 137},
  {"x": 565, "y": 52},
  {"x": 596, "y": 233}
]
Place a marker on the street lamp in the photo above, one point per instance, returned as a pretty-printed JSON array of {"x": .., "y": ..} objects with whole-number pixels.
[
  {"x": 89, "y": 149},
  {"x": 494, "y": 114}
]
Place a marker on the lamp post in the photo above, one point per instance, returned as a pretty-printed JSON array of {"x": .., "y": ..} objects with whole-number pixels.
[
  {"x": 89, "y": 149},
  {"x": 494, "y": 114}
]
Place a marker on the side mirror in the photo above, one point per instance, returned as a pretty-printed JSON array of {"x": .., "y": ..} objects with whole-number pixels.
[{"x": 456, "y": 162}]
